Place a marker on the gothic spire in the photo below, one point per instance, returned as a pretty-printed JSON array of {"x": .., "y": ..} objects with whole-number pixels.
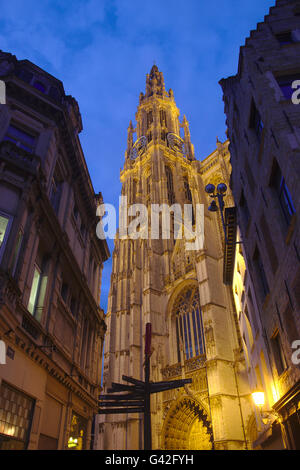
[{"x": 155, "y": 84}]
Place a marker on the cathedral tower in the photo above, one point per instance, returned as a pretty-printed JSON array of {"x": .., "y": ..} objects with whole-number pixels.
[{"x": 181, "y": 292}]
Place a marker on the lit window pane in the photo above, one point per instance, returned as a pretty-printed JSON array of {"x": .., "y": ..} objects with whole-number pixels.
[
  {"x": 3, "y": 228},
  {"x": 34, "y": 290}
]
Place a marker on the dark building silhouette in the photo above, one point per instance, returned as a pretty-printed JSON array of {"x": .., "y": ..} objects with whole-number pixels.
[
  {"x": 50, "y": 267},
  {"x": 263, "y": 127}
]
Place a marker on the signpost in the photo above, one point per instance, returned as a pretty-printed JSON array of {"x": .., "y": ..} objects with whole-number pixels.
[{"x": 136, "y": 398}]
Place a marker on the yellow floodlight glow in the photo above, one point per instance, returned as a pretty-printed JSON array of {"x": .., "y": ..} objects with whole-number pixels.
[{"x": 258, "y": 398}]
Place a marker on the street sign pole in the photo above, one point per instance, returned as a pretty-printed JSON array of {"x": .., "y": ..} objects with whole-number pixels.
[
  {"x": 147, "y": 414},
  {"x": 136, "y": 397}
]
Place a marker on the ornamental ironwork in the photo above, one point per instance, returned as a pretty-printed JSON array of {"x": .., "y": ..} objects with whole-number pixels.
[{"x": 138, "y": 148}]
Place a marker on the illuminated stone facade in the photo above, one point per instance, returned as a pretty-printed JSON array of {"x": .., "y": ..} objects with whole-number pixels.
[
  {"x": 50, "y": 267},
  {"x": 181, "y": 292},
  {"x": 264, "y": 133}
]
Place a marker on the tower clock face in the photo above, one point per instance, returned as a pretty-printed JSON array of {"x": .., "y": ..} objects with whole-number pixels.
[
  {"x": 138, "y": 147},
  {"x": 176, "y": 142}
]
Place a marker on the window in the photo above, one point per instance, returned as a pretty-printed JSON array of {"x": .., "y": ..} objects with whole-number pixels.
[
  {"x": 269, "y": 243},
  {"x": 255, "y": 121},
  {"x": 251, "y": 310},
  {"x": 188, "y": 196},
  {"x": 17, "y": 252},
  {"x": 78, "y": 432},
  {"x": 73, "y": 306},
  {"x": 279, "y": 358},
  {"x": 16, "y": 416},
  {"x": 134, "y": 187},
  {"x": 148, "y": 185},
  {"x": 82, "y": 230},
  {"x": 24, "y": 75},
  {"x": 260, "y": 272},
  {"x": 149, "y": 136},
  {"x": 284, "y": 38},
  {"x": 34, "y": 289},
  {"x": 170, "y": 188},
  {"x": 38, "y": 288},
  {"x": 288, "y": 37},
  {"x": 75, "y": 212},
  {"x": 39, "y": 86},
  {"x": 64, "y": 291},
  {"x": 54, "y": 93},
  {"x": 55, "y": 194},
  {"x": 149, "y": 119},
  {"x": 5, "y": 223},
  {"x": 21, "y": 138},
  {"x": 283, "y": 194},
  {"x": 188, "y": 324},
  {"x": 285, "y": 84},
  {"x": 244, "y": 209},
  {"x": 163, "y": 118}
]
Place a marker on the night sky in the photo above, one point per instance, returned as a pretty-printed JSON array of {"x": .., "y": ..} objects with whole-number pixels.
[{"x": 102, "y": 49}]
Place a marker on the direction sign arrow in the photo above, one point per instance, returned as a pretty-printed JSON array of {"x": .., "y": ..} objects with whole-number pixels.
[
  {"x": 121, "y": 388},
  {"x": 121, "y": 410},
  {"x": 162, "y": 387},
  {"x": 125, "y": 403},
  {"x": 124, "y": 396},
  {"x": 138, "y": 383}
]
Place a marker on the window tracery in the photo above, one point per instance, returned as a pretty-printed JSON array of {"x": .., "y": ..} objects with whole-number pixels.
[{"x": 188, "y": 324}]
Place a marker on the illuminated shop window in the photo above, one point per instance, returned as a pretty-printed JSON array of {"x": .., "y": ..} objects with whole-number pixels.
[
  {"x": 16, "y": 411},
  {"x": 77, "y": 435}
]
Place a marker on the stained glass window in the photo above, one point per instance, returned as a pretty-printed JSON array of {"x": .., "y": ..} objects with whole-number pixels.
[{"x": 188, "y": 324}]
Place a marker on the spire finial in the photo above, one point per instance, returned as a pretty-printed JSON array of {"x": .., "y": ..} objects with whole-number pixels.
[{"x": 155, "y": 82}]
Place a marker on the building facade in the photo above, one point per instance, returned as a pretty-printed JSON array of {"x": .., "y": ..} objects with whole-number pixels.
[
  {"x": 263, "y": 115},
  {"x": 178, "y": 290},
  {"x": 51, "y": 325}
]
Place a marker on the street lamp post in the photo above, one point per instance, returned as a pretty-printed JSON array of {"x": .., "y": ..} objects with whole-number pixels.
[{"x": 219, "y": 195}]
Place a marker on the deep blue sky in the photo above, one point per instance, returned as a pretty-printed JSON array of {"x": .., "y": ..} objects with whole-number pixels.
[{"x": 102, "y": 50}]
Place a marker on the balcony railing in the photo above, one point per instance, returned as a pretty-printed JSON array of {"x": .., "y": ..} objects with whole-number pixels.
[{"x": 190, "y": 365}]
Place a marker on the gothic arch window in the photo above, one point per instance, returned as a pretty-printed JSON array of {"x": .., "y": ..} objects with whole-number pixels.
[
  {"x": 170, "y": 186},
  {"x": 149, "y": 119},
  {"x": 163, "y": 118},
  {"x": 187, "y": 190},
  {"x": 188, "y": 324},
  {"x": 189, "y": 198},
  {"x": 148, "y": 185}
]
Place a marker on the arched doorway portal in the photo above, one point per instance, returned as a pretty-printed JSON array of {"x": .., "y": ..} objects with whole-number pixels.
[{"x": 187, "y": 427}]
